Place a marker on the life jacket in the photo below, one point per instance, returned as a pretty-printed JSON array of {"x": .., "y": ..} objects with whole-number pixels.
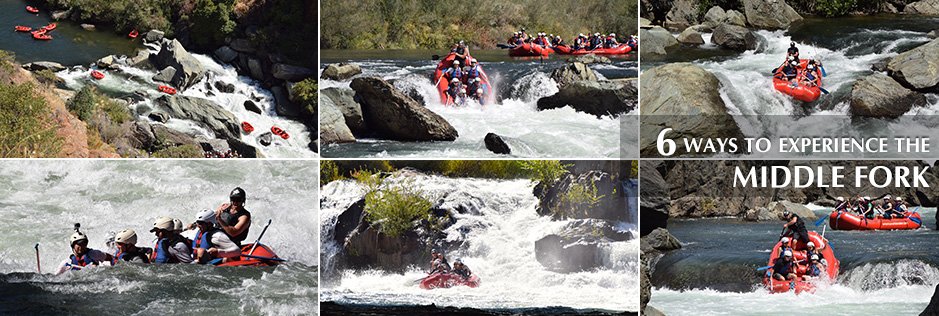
[
  {"x": 454, "y": 73},
  {"x": 465, "y": 272},
  {"x": 609, "y": 41},
  {"x": 814, "y": 270},
  {"x": 232, "y": 219},
  {"x": 472, "y": 72},
  {"x": 144, "y": 254},
  {"x": 82, "y": 261},
  {"x": 782, "y": 267},
  {"x": 202, "y": 240},
  {"x": 161, "y": 253},
  {"x": 460, "y": 50},
  {"x": 454, "y": 89}
]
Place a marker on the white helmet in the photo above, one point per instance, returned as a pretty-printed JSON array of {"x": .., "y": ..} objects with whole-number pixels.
[
  {"x": 76, "y": 237},
  {"x": 787, "y": 253},
  {"x": 814, "y": 256},
  {"x": 177, "y": 225},
  {"x": 581, "y": 35},
  {"x": 164, "y": 223},
  {"x": 473, "y": 61},
  {"x": 612, "y": 34},
  {"x": 551, "y": 35},
  {"x": 480, "y": 90},
  {"x": 840, "y": 199},
  {"x": 205, "y": 216},
  {"x": 887, "y": 197},
  {"x": 455, "y": 80},
  {"x": 899, "y": 198},
  {"x": 456, "y": 62},
  {"x": 868, "y": 198},
  {"x": 596, "y": 34},
  {"x": 810, "y": 244},
  {"x": 516, "y": 33},
  {"x": 127, "y": 236},
  {"x": 784, "y": 240}
]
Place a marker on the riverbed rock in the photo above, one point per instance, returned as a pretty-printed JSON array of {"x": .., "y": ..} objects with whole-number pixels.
[
  {"x": 654, "y": 198},
  {"x": 87, "y": 27},
  {"x": 496, "y": 144},
  {"x": 341, "y": 71},
  {"x": 226, "y": 54},
  {"x": 593, "y": 194},
  {"x": 924, "y": 7},
  {"x": 159, "y": 117},
  {"x": 690, "y": 36},
  {"x": 242, "y": 45},
  {"x": 213, "y": 145},
  {"x": 166, "y": 75},
  {"x": 59, "y": 15},
  {"x": 770, "y": 14},
  {"x": 734, "y": 37},
  {"x": 600, "y": 98},
  {"x": 735, "y": 17},
  {"x": 933, "y": 34},
  {"x": 154, "y": 36},
  {"x": 243, "y": 149},
  {"x": 283, "y": 106},
  {"x": 139, "y": 60},
  {"x": 205, "y": 112},
  {"x": 188, "y": 69},
  {"x": 224, "y": 86},
  {"x": 761, "y": 214},
  {"x": 578, "y": 246},
  {"x": 253, "y": 107},
  {"x": 933, "y": 308},
  {"x": 572, "y": 72},
  {"x": 645, "y": 286},
  {"x": 105, "y": 62},
  {"x": 655, "y": 41},
  {"x": 799, "y": 209},
  {"x": 684, "y": 13},
  {"x": 715, "y": 17},
  {"x": 44, "y": 65},
  {"x": 333, "y": 128},
  {"x": 255, "y": 69},
  {"x": 591, "y": 59},
  {"x": 266, "y": 138},
  {"x": 344, "y": 100},
  {"x": 393, "y": 115},
  {"x": 662, "y": 240},
  {"x": 291, "y": 73},
  {"x": 917, "y": 68},
  {"x": 880, "y": 96}
]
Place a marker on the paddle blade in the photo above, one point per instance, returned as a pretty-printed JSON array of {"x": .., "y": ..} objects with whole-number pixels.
[
  {"x": 763, "y": 268},
  {"x": 820, "y": 221},
  {"x": 824, "y": 73},
  {"x": 823, "y": 90}
]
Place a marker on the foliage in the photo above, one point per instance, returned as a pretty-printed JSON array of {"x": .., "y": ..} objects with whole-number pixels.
[
  {"x": 834, "y": 7},
  {"x": 329, "y": 172},
  {"x": 124, "y": 14},
  {"x": 211, "y": 22},
  {"x": 82, "y": 105},
  {"x": 393, "y": 207},
  {"x": 28, "y": 129},
  {"x": 46, "y": 76},
  {"x": 581, "y": 198},
  {"x": 6, "y": 60},
  {"x": 115, "y": 110},
  {"x": 182, "y": 151},
  {"x": 491, "y": 169},
  {"x": 546, "y": 172},
  {"x": 306, "y": 93}
]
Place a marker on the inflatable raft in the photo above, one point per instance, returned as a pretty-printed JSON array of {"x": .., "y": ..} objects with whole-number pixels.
[
  {"x": 623, "y": 49},
  {"x": 798, "y": 90},
  {"x": 263, "y": 256},
  {"x": 31, "y": 9},
  {"x": 442, "y": 85},
  {"x": 20, "y": 28},
  {"x": 97, "y": 75},
  {"x": 448, "y": 280},
  {"x": 799, "y": 284},
  {"x": 167, "y": 89},
  {"x": 530, "y": 50},
  {"x": 842, "y": 220}
]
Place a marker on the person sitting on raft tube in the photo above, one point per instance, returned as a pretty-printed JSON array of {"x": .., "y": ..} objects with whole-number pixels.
[
  {"x": 233, "y": 218},
  {"x": 461, "y": 269},
  {"x": 472, "y": 71},
  {"x": 808, "y": 76},
  {"x": 610, "y": 41},
  {"x": 886, "y": 206},
  {"x": 811, "y": 250},
  {"x": 793, "y": 52},
  {"x": 127, "y": 249},
  {"x": 539, "y": 40},
  {"x": 790, "y": 71},
  {"x": 795, "y": 227},
  {"x": 596, "y": 41},
  {"x": 515, "y": 40},
  {"x": 632, "y": 41},
  {"x": 439, "y": 263},
  {"x": 472, "y": 86},
  {"x": 784, "y": 267},
  {"x": 454, "y": 72},
  {"x": 843, "y": 205},
  {"x": 455, "y": 90},
  {"x": 557, "y": 41},
  {"x": 786, "y": 244},
  {"x": 462, "y": 51},
  {"x": 82, "y": 256},
  {"x": 171, "y": 247},
  {"x": 866, "y": 208},
  {"x": 815, "y": 266},
  {"x": 212, "y": 243},
  {"x": 580, "y": 41},
  {"x": 900, "y": 209}
]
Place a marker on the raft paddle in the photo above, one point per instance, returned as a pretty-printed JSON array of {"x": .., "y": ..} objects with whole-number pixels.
[
  {"x": 264, "y": 258},
  {"x": 823, "y": 90},
  {"x": 819, "y": 221},
  {"x": 38, "y": 267},
  {"x": 257, "y": 241},
  {"x": 763, "y": 268}
]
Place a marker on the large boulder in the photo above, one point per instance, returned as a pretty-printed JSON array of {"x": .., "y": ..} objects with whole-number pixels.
[
  {"x": 924, "y": 7},
  {"x": 341, "y": 71},
  {"x": 734, "y": 37},
  {"x": 291, "y": 73},
  {"x": 188, "y": 69},
  {"x": 591, "y": 59},
  {"x": 769, "y": 14},
  {"x": 226, "y": 54},
  {"x": 593, "y": 194},
  {"x": 660, "y": 239},
  {"x": 735, "y": 17},
  {"x": 684, "y": 13},
  {"x": 690, "y": 36},
  {"x": 205, "y": 112},
  {"x": 578, "y": 246},
  {"x": 933, "y": 308},
  {"x": 599, "y": 98},
  {"x": 686, "y": 98},
  {"x": 282, "y": 103},
  {"x": 917, "y": 68},
  {"x": 393, "y": 115},
  {"x": 333, "y": 128},
  {"x": 655, "y": 41},
  {"x": 715, "y": 17},
  {"x": 154, "y": 36},
  {"x": 139, "y": 60},
  {"x": 166, "y": 75},
  {"x": 44, "y": 65},
  {"x": 573, "y": 72},
  {"x": 654, "y": 199},
  {"x": 242, "y": 45},
  {"x": 496, "y": 144},
  {"x": 344, "y": 100},
  {"x": 880, "y": 96}
]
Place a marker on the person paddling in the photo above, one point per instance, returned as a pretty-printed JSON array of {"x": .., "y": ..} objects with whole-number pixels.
[
  {"x": 233, "y": 218},
  {"x": 171, "y": 247},
  {"x": 793, "y": 52},
  {"x": 783, "y": 268},
  {"x": 900, "y": 208},
  {"x": 127, "y": 249},
  {"x": 886, "y": 207},
  {"x": 439, "y": 263},
  {"x": 82, "y": 256},
  {"x": 212, "y": 243},
  {"x": 462, "y": 52},
  {"x": 461, "y": 269}
]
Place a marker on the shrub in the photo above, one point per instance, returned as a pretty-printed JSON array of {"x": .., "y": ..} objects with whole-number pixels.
[
  {"x": 46, "y": 76},
  {"x": 212, "y": 22},
  {"x": 306, "y": 93},
  {"x": 116, "y": 111},
  {"x": 329, "y": 172},
  {"x": 580, "y": 198},
  {"x": 393, "y": 207},
  {"x": 182, "y": 151},
  {"x": 546, "y": 172},
  {"x": 28, "y": 129},
  {"x": 82, "y": 105}
]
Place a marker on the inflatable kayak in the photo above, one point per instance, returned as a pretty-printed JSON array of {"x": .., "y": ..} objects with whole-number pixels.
[
  {"x": 50, "y": 27},
  {"x": 799, "y": 90},
  {"x": 262, "y": 256},
  {"x": 800, "y": 284},
  {"x": 442, "y": 85},
  {"x": 448, "y": 280},
  {"x": 841, "y": 220},
  {"x": 97, "y": 74},
  {"x": 623, "y": 49},
  {"x": 167, "y": 89},
  {"x": 245, "y": 126},
  {"x": 529, "y": 50},
  {"x": 133, "y": 34},
  {"x": 31, "y": 9},
  {"x": 20, "y": 28}
]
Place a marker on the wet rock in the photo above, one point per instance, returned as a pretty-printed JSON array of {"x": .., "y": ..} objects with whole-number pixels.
[
  {"x": 167, "y": 137},
  {"x": 159, "y": 117},
  {"x": 87, "y": 27},
  {"x": 577, "y": 247},
  {"x": 571, "y": 73},
  {"x": 44, "y": 65},
  {"x": 917, "y": 68},
  {"x": 224, "y": 87},
  {"x": 761, "y": 214},
  {"x": 735, "y": 17},
  {"x": 226, "y": 54},
  {"x": 204, "y": 112},
  {"x": 924, "y": 7},
  {"x": 140, "y": 109},
  {"x": 213, "y": 145},
  {"x": 393, "y": 115},
  {"x": 796, "y": 208},
  {"x": 59, "y": 15},
  {"x": 254, "y": 67},
  {"x": 686, "y": 98},
  {"x": 106, "y": 62},
  {"x": 344, "y": 100},
  {"x": 880, "y": 65},
  {"x": 690, "y": 36},
  {"x": 596, "y": 194},
  {"x": 266, "y": 138},
  {"x": 715, "y": 17},
  {"x": 333, "y": 128},
  {"x": 645, "y": 287},
  {"x": 654, "y": 201},
  {"x": 650, "y": 310},
  {"x": 933, "y": 308},
  {"x": 495, "y": 144},
  {"x": 880, "y": 96},
  {"x": 684, "y": 13},
  {"x": 769, "y": 14},
  {"x": 933, "y": 34},
  {"x": 283, "y": 106},
  {"x": 188, "y": 69},
  {"x": 140, "y": 59},
  {"x": 598, "y": 98},
  {"x": 655, "y": 41},
  {"x": 734, "y": 37},
  {"x": 591, "y": 59},
  {"x": 291, "y": 73},
  {"x": 340, "y": 72},
  {"x": 242, "y": 45},
  {"x": 660, "y": 239},
  {"x": 251, "y": 106},
  {"x": 154, "y": 36},
  {"x": 243, "y": 149},
  {"x": 645, "y": 23},
  {"x": 166, "y": 75}
]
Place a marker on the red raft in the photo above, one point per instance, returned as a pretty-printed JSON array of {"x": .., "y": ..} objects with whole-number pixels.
[
  {"x": 167, "y": 89},
  {"x": 31, "y": 9},
  {"x": 530, "y": 50},
  {"x": 448, "y": 280},
  {"x": 800, "y": 284},
  {"x": 850, "y": 221},
  {"x": 245, "y": 126},
  {"x": 622, "y": 49},
  {"x": 97, "y": 75},
  {"x": 799, "y": 90},
  {"x": 133, "y": 34},
  {"x": 262, "y": 256},
  {"x": 442, "y": 85},
  {"x": 20, "y": 28}
]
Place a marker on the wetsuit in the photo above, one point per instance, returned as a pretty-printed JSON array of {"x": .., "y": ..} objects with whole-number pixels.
[{"x": 798, "y": 230}]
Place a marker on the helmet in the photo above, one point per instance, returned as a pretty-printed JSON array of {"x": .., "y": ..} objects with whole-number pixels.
[
  {"x": 793, "y": 44},
  {"x": 177, "y": 225},
  {"x": 786, "y": 213},
  {"x": 164, "y": 223},
  {"x": 794, "y": 63},
  {"x": 76, "y": 237},
  {"x": 867, "y": 198},
  {"x": 473, "y": 61},
  {"x": 480, "y": 91},
  {"x": 552, "y": 35},
  {"x": 461, "y": 42},
  {"x": 612, "y": 34},
  {"x": 596, "y": 34},
  {"x": 814, "y": 257},
  {"x": 810, "y": 67},
  {"x": 455, "y": 80},
  {"x": 458, "y": 260},
  {"x": 810, "y": 244},
  {"x": 456, "y": 62},
  {"x": 887, "y": 197},
  {"x": 581, "y": 35},
  {"x": 899, "y": 198},
  {"x": 237, "y": 195},
  {"x": 206, "y": 216},
  {"x": 840, "y": 199},
  {"x": 516, "y": 33},
  {"x": 787, "y": 253},
  {"x": 127, "y": 236},
  {"x": 784, "y": 240},
  {"x": 434, "y": 250}
]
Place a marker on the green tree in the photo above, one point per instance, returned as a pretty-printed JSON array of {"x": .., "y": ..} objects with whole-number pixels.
[{"x": 211, "y": 22}]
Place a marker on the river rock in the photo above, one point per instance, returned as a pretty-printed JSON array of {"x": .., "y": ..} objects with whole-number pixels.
[
  {"x": 734, "y": 37},
  {"x": 140, "y": 59},
  {"x": 165, "y": 75},
  {"x": 44, "y": 65},
  {"x": 266, "y": 138},
  {"x": 251, "y": 106},
  {"x": 105, "y": 62},
  {"x": 654, "y": 198},
  {"x": 226, "y": 54},
  {"x": 243, "y": 149},
  {"x": 333, "y": 128},
  {"x": 735, "y": 17},
  {"x": 690, "y": 36},
  {"x": 917, "y": 68},
  {"x": 591, "y": 59},
  {"x": 593, "y": 194},
  {"x": 188, "y": 69},
  {"x": 341, "y": 71},
  {"x": 781, "y": 206},
  {"x": 686, "y": 98},
  {"x": 933, "y": 34},
  {"x": 769, "y": 14},
  {"x": 242, "y": 45},
  {"x": 644, "y": 23},
  {"x": 645, "y": 286},
  {"x": 662, "y": 240},
  {"x": 761, "y": 214},
  {"x": 594, "y": 97},
  {"x": 877, "y": 95},
  {"x": 87, "y": 27},
  {"x": 396, "y": 116},
  {"x": 933, "y": 308},
  {"x": 167, "y": 137},
  {"x": 344, "y": 100},
  {"x": 154, "y": 36},
  {"x": 715, "y": 17},
  {"x": 684, "y": 13},
  {"x": 496, "y": 144},
  {"x": 577, "y": 247},
  {"x": 573, "y": 72},
  {"x": 159, "y": 117},
  {"x": 924, "y": 7},
  {"x": 224, "y": 86},
  {"x": 282, "y": 103},
  {"x": 59, "y": 15},
  {"x": 205, "y": 112},
  {"x": 655, "y": 41},
  {"x": 254, "y": 67},
  {"x": 291, "y": 73},
  {"x": 213, "y": 145}
]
